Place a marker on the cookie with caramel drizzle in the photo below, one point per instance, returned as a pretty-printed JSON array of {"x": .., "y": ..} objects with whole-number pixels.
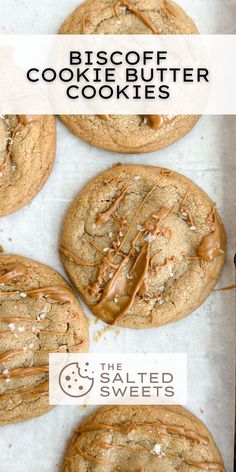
[
  {"x": 143, "y": 246},
  {"x": 39, "y": 315},
  {"x": 130, "y": 133},
  {"x": 143, "y": 439},
  {"x": 27, "y": 152}
]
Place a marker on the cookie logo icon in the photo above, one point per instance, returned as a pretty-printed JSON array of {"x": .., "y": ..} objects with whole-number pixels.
[{"x": 76, "y": 379}]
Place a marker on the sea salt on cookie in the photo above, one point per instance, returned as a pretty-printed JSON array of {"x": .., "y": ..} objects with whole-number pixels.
[
  {"x": 144, "y": 246},
  {"x": 142, "y": 439},
  {"x": 39, "y": 315}
]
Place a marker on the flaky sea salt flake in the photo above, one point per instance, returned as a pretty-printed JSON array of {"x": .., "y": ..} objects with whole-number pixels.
[
  {"x": 149, "y": 238},
  {"x": 156, "y": 450},
  {"x": 140, "y": 228},
  {"x": 6, "y": 372},
  {"x": 122, "y": 10}
]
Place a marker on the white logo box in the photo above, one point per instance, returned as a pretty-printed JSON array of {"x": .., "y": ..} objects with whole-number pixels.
[{"x": 128, "y": 379}]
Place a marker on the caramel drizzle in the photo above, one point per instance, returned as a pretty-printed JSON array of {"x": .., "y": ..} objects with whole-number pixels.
[
  {"x": 26, "y": 372},
  {"x": 27, "y": 119},
  {"x": 18, "y": 319},
  {"x": 11, "y": 272},
  {"x": 5, "y": 334},
  {"x": 106, "y": 215},
  {"x": 104, "y": 117},
  {"x": 72, "y": 317},
  {"x": 154, "y": 121},
  {"x": 157, "y": 121},
  {"x": 38, "y": 391},
  {"x": 169, "y": 9},
  {"x": 87, "y": 456},
  {"x": 212, "y": 244},
  {"x": 136, "y": 12},
  {"x": 8, "y": 355},
  {"x": 56, "y": 292},
  {"x": 157, "y": 427},
  {"x": 133, "y": 427},
  {"x": 207, "y": 465},
  {"x": 84, "y": 22},
  {"x": 224, "y": 289},
  {"x": 138, "y": 276},
  {"x": 72, "y": 257}
]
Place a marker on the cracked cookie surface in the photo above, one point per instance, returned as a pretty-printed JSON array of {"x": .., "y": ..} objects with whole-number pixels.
[
  {"x": 131, "y": 133},
  {"x": 142, "y": 439},
  {"x": 144, "y": 246},
  {"x": 27, "y": 152},
  {"x": 39, "y": 315}
]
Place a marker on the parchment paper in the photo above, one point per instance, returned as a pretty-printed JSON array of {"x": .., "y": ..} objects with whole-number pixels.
[{"x": 207, "y": 156}]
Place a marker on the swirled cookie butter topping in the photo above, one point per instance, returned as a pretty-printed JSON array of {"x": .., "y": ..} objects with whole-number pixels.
[{"x": 9, "y": 272}]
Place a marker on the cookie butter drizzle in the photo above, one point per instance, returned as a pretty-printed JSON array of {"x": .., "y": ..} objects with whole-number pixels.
[
  {"x": 9, "y": 273},
  {"x": 157, "y": 121},
  {"x": 116, "y": 295},
  {"x": 137, "y": 281},
  {"x": 154, "y": 121},
  {"x": 160, "y": 430},
  {"x": 170, "y": 10},
  {"x": 22, "y": 120},
  {"x": 212, "y": 244},
  {"x": 136, "y": 12}
]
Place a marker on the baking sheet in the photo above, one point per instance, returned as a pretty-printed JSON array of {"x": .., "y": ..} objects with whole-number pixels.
[{"x": 207, "y": 156}]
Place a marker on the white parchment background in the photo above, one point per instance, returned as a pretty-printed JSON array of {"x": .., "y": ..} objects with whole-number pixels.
[{"x": 208, "y": 156}]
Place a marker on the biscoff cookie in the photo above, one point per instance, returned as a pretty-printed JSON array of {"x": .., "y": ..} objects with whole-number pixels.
[
  {"x": 27, "y": 152},
  {"x": 39, "y": 315},
  {"x": 144, "y": 246},
  {"x": 142, "y": 439},
  {"x": 130, "y": 133}
]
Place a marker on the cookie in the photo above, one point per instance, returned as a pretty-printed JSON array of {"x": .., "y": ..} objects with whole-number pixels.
[
  {"x": 76, "y": 381},
  {"x": 39, "y": 315},
  {"x": 144, "y": 246},
  {"x": 129, "y": 134},
  {"x": 142, "y": 439},
  {"x": 27, "y": 152}
]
